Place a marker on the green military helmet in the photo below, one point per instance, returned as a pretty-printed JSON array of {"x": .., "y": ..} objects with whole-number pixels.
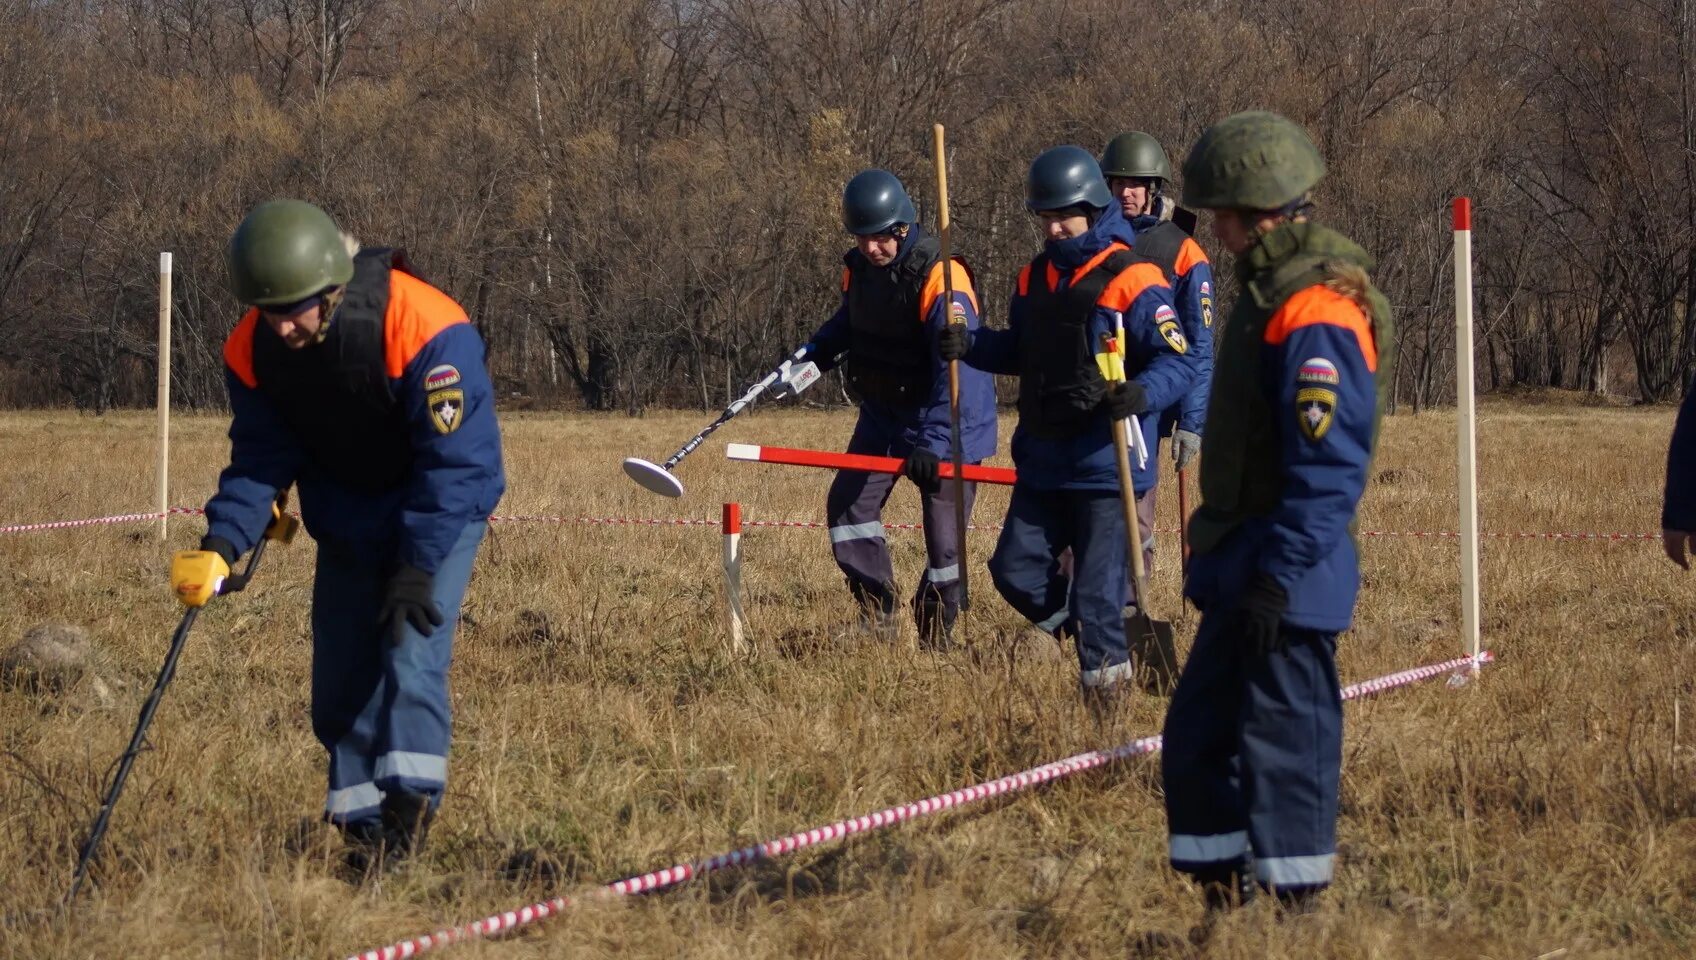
[
  {"x": 1253, "y": 160},
  {"x": 1136, "y": 155},
  {"x": 284, "y": 252}
]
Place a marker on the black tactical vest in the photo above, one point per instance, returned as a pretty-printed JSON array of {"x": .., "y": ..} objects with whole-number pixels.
[
  {"x": 1160, "y": 245},
  {"x": 335, "y": 395},
  {"x": 1240, "y": 452},
  {"x": 889, "y": 358},
  {"x": 1060, "y": 384}
]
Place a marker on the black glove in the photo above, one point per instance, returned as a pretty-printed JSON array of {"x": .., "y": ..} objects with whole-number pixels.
[
  {"x": 407, "y": 600},
  {"x": 221, "y": 547},
  {"x": 1125, "y": 399},
  {"x": 953, "y": 341},
  {"x": 1255, "y": 621},
  {"x": 923, "y": 468}
]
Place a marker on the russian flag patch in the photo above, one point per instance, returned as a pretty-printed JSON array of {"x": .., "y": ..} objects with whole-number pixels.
[
  {"x": 1317, "y": 370},
  {"x": 445, "y": 375}
]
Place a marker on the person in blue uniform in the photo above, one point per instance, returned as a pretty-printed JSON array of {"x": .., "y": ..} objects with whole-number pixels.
[
  {"x": 1253, "y": 735},
  {"x": 1086, "y": 283},
  {"x": 357, "y": 381},
  {"x": 893, "y": 304},
  {"x": 1137, "y": 173}
]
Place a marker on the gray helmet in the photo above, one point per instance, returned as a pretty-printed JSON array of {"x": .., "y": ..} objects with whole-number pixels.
[
  {"x": 1062, "y": 177},
  {"x": 1251, "y": 161},
  {"x": 284, "y": 252},
  {"x": 1136, "y": 155},
  {"x": 874, "y": 202}
]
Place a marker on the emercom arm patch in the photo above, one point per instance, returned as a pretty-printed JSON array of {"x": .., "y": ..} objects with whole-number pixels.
[
  {"x": 1316, "y": 407},
  {"x": 446, "y": 409}
]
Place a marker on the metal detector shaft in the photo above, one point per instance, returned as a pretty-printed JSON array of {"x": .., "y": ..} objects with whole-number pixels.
[
  {"x": 91, "y": 847},
  {"x": 730, "y": 412}
]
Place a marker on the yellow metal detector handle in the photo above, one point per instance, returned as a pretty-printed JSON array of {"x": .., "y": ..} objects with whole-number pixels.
[
  {"x": 282, "y": 527},
  {"x": 199, "y": 575}
]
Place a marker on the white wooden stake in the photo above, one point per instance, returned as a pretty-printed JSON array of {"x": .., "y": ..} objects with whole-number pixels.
[
  {"x": 1466, "y": 415},
  {"x": 163, "y": 397},
  {"x": 733, "y": 577}
]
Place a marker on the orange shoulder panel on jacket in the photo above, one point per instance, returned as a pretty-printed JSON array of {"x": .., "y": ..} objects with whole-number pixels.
[
  {"x": 846, "y": 273},
  {"x": 1094, "y": 261},
  {"x": 933, "y": 288},
  {"x": 238, "y": 348},
  {"x": 1189, "y": 254},
  {"x": 1124, "y": 289},
  {"x": 1025, "y": 280},
  {"x": 417, "y": 312},
  {"x": 1320, "y": 304}
]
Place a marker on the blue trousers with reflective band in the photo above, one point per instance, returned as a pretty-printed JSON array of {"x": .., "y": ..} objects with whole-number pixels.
[
  {"x": 381, "y": 710},
  {"x": 1253, "y": 752},
  {"x": 1090, "y": 605}
]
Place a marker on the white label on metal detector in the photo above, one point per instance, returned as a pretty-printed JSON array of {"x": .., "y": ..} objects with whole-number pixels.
[
  {"x": 802, "y": 376},
  {"x": 742, "y": 451}
]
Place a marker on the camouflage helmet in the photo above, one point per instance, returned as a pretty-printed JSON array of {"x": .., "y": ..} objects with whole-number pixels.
[
  {"x": 1136, "y": 155},
  {"x": 284, "y": 252},
  {"x": 1251, "y": 161},
  {"x": 874, "y": 202},
  {"x": 1065, "y": 176}
]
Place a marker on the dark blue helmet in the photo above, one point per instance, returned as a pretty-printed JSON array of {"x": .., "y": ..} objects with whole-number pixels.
[
  {"x": 874, "y": 202},
  {"x": 1063, "y": 177}
]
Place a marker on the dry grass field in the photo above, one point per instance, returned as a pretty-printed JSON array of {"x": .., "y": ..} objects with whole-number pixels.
[{"x": 601, "y": 724}]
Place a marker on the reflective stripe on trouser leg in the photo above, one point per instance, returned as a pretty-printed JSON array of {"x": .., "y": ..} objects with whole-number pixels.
[
  {"x": 417, "y": 724},
  {"x": 1023, "y": 567},
  {"x": 1098, "y": 584},
  {"x": 1205, "y": 817},
  {"x": 941, "y": 581},
  {"x": 854, "y": 511},
  {"x": 347, "y": 673},
  {"x": 1292, "y": 753}
]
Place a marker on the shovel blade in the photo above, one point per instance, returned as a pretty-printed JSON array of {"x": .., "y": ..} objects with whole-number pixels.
[{"x": 1153, "y": 652}]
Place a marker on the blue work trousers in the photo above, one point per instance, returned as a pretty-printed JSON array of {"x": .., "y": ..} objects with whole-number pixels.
[
  {"x": 381, "y": 709},
  {"x": 1252, "y": 757},
  {"x": 1089, "y": 606}
]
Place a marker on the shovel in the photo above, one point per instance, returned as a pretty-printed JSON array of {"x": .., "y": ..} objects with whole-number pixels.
[{"x": 1153, "y": 654}]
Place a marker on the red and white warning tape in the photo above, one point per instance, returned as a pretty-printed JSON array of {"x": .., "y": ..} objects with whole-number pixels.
[
  {"x": 805, "y": 525},
  {"x": 683, "y": 872},
  {"x": 95, "y": 521}
]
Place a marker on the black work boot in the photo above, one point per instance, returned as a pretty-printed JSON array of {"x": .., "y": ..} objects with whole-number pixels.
[
  {"x": 406, "y": 822},
  {"x": 1297, "y": 901},
  {"x": 1105, "y": 701},
  {"x": 1223, "y": 889},
  {"x": 936, "y": 625},
  {"x": 877, "y": 611},
  {"x": 395, "y": 838}
]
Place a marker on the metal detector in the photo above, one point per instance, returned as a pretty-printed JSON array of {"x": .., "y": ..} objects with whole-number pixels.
[
  {"x": 658, "y": 478},
  {"x": 282, "y": 527}
]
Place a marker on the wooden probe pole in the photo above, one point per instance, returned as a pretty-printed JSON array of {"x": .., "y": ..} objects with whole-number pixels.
[{"x": 945, "y": 233}]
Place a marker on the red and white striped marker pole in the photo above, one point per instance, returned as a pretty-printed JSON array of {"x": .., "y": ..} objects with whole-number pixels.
[
  {"x": 1466, "y": 416},
  {"x": 794, "y": 457},
  {"x": 733, "y": 577},
  {"x": 889, "y": 816}
]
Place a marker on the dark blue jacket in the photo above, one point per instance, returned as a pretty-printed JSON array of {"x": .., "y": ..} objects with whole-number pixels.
[
  {"x": 453, "y": 476},
  {"x": 1192, "y": 291},
  {"x": 1678, "y": 509},
  {"x": 927, "y": 425},
  {"x": 1155, "y": 359},
  {"x": 1319, "y": 363}
]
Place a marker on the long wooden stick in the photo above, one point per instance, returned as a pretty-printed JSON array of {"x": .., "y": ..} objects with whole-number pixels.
[
  {"x": 1127, "y": 489},
  {"x": 162, "y": 399},
  {"x": 944, "y": 231}
]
